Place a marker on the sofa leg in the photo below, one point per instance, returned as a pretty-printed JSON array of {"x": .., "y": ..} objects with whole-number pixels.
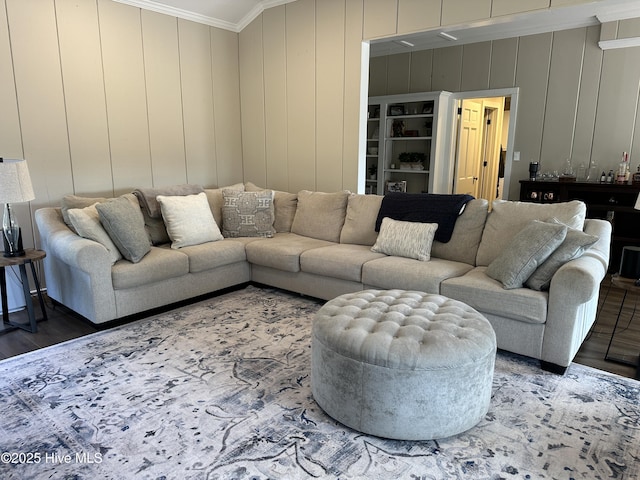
[{"x": 553, "y": 368}]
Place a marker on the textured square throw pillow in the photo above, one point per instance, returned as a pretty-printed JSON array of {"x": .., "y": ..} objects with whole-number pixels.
[
  {"x": 405, "y": 239},
  {"x": 247, "y": 214},
  {"x": 574, "y": 245},
  {"x": 86, "y": 222},
  {"x": 188, "y": 219},
  {"x": 123, "y": 221},
  {"x": 525, "y": 252}
]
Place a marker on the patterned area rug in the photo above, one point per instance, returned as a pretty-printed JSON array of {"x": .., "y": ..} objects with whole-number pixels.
[{"x": 221, "y": 390}]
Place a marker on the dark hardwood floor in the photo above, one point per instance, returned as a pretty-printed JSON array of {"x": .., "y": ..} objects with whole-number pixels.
[{"x": 63, "y": 325}]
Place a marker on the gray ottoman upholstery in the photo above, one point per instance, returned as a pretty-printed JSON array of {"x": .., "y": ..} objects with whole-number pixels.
[{"x": 402, "y": 365}]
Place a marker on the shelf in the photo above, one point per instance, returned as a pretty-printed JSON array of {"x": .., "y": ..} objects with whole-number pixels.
[
  {"x": 408, "y": 138},
  {"x": 417, "y": 115},
  {"x": 404, "y": 170}
]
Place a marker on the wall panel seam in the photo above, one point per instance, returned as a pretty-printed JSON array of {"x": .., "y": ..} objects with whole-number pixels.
[
  {"x": 64, "y": 94},
  {"x": 106, "y": 104}
]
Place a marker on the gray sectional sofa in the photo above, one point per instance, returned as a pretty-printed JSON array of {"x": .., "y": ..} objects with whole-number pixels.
[{"x": 321, "y": 245}]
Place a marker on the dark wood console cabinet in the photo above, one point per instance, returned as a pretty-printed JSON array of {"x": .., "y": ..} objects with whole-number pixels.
[{"x": 608, "y": 201}]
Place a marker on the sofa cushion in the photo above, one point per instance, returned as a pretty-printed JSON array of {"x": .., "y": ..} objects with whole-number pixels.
[
  {"x": 247, "y": 214},
  {"x": 342, "y": 261},
  {"x": 86, "y": 222},
  {"x": 405, "y": 239},
  {"x": 73, "y": 201},
  {"x": 574, "y": 245},
  {"x": 283, "y": 251},
  {"x": 527, "y": 250},
  {"x": 285, "y": 205},
  {"x": 464, "y": 242},
  {"x": 320, "y": 215},
  {"x": 487, "y": 295},
  {"x": 360, "y": 220},
  {"x": 216, "y": 201},
  {"x": 159, "y": 264},
  {"x": 210, "y": 255},
  {"x": 508, "y": 218},
  {"x": 189, "y": 220},
  {"x": 410, "y": 274},
  {"x": 123, "y": 221}
]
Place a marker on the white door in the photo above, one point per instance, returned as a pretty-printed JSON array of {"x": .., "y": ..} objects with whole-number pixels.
[
  {"x": 491, "y": 147},
  {"x": 469, "y": 155}
]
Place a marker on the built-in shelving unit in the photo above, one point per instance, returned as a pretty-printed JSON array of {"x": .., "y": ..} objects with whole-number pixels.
[{"x": 404, "y": 137}]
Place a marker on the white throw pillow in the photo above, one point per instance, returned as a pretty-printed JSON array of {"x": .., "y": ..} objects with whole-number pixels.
[
  {"x": 405, "y": 239},
  {"x": 188, "y": 219},
  {"x": 86, "y": 222}
]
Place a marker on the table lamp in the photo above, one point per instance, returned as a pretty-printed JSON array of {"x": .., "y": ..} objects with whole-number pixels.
[{"x": 15, "y": 187}]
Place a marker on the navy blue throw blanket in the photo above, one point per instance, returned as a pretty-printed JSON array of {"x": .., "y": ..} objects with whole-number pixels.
[{"x": 425, "y": 208}]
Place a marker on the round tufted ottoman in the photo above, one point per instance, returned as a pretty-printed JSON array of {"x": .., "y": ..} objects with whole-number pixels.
[{"x": 401, "y": 364}]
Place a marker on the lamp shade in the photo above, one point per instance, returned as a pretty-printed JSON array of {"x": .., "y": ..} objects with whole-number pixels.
[
  {"x": 15, "y": 182},
  {"x": 637, "y": 205}
]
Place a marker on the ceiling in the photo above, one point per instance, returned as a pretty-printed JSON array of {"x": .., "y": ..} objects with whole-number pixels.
[
  {"x": 509, "y": 26},
  {"x": 231, "y": 15},
  {"x": 234, "y": 15}
]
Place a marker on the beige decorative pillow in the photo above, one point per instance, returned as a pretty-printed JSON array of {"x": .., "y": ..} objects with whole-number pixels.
[
  {"x": 189, "y": 220},
  {"x": 86, "y": 222},
  {"x": 507, "y": 218},
  {"x": 528, "y": 249},
  {"x": 405, "y": 239},
  {"x": 360, "y": 221},
  {"x": 320, "y": 215},
  {"x": 214, "y": 197},
  {"x": 247, "y": 214},
  {"x": 284, "y": 204}
]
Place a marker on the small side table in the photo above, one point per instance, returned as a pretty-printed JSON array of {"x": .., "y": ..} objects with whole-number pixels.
[
  {"x": 31, "y": 255},
  {"x": 628, "y": 285}
]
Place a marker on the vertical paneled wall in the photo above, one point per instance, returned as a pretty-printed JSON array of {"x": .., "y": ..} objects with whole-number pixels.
[
  {"x": 300, "y": 72},
  {"x": 101, "y": 98},
  {"x": 575, "y": 100}
]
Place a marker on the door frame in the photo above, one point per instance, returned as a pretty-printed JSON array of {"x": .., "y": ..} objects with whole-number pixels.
[{"x": 456, "y": 97}]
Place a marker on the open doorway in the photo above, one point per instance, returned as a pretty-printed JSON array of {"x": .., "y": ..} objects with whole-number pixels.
[{"x": 483, "y": 143}]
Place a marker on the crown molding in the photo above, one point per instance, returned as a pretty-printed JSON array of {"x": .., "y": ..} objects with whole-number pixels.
[
  {"x": 204, "y": 19},
  {"x": 619, "y": 43}
]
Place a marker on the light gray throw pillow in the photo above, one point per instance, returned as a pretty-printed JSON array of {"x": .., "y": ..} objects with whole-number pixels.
[
  {"x": 123, "y": 221},
  {"x": 525, "y": 252},
  {"x": 405, "y": 239},
  {"x": 574, "y": 245}
]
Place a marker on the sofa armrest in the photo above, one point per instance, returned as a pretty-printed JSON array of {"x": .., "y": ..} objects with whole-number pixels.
[
  {"x": 573, "y": 298},
  {"x": 69, "y": 247},
  {"x": 77, "y": 271}
]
